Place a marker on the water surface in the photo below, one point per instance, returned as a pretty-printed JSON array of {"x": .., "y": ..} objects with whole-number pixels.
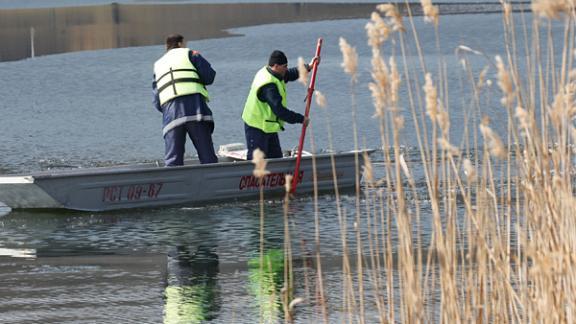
[{"x": 94, "y": 108}]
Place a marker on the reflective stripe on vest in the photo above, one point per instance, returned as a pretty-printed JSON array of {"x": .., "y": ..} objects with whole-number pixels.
[
  {"x": 258, "y": 114},
  {"x": 176, "y": 76}
]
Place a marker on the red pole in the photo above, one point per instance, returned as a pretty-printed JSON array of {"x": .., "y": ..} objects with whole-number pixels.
[{"x": 296, "y": 174}]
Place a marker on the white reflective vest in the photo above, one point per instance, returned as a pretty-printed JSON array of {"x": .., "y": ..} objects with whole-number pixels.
[{"x": 176, "y": 76}]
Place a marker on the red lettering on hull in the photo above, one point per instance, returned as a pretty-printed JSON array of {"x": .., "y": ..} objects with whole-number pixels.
[{"x": 271, "y": 180}]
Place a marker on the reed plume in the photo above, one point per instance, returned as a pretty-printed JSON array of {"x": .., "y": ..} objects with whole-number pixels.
[
  {"x": 395, "y": 82},
  {"x": 288, "y": 184},
  {"x": 302, "y": 72},
  {"x": 349, "y": 58},
  {"x": 258, "y": 158},
  {"x": 378, "y": 30},
  {"x": 504, "y": 82},
  {"x": 524, "y": 119},
  {"x": 431, "y": 12},
  {"x": 381, "y": 85},
  {"x": 448, "y": 147},
  {"x": 507, "y": 11},
  {"x": 391, "y": 11},
  {"x": 320, "y": 99},
  {"x": 552, "y": 9},
  {"x": 469, "y": 170},
  {"x": 434, "y": 107},
  {"x": 492, "y": 140}
]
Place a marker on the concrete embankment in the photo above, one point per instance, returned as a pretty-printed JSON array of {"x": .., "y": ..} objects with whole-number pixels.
[{"x": 45, "y": 31}]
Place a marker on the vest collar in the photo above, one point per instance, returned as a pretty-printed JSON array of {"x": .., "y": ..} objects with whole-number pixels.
[{"x": 276, "y": 75}]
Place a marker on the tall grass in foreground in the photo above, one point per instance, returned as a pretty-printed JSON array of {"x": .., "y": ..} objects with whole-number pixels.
[{"x": 503, "y": 245}]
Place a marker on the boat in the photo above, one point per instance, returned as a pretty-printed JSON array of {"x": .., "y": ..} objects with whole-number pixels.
[{"x": 153, "y": 185}]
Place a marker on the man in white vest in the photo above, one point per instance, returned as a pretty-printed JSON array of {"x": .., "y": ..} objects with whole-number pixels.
[{"x": 180, "y": 79}]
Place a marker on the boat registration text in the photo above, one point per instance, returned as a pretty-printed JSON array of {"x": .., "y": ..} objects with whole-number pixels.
[{"x": 131, "y": 192}]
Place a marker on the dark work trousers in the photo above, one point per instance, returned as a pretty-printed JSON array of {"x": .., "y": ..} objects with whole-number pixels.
[
  {"x": 269, "y": 143},
  {"x": 201, "y": 135}
]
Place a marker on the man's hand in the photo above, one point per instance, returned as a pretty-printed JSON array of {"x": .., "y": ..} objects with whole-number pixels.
[
  {"x": 315, "y": 59},
  {"x": 306, "y": 121}
]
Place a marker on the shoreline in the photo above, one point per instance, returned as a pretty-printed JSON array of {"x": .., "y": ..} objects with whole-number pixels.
[
  {"x": 69, "y": 29},
  {"x": 44, "y": 31}
]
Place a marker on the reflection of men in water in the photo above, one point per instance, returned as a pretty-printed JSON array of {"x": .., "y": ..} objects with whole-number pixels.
[
  {"x": 192, "y": 293},
  {"x": 266, "y": 277},
  {"x": 266, "y": 269}
]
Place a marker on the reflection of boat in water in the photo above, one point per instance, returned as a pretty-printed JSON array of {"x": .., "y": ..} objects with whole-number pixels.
[{"x": 149, "y": 185}]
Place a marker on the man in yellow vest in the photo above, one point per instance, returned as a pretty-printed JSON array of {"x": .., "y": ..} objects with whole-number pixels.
[
  {"x": 265, "y": 111},
  {"x": 180, "y": 79}
]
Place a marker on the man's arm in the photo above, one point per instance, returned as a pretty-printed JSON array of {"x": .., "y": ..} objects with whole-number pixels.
[
  {"x": 269, "y": 94},
  {"x": 205, "y": 70},
  {"x": 292, "y": 74},
  {"x": 156, "y": 100}
]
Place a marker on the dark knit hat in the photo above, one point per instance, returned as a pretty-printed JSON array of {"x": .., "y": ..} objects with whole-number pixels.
[{"x": 277, "y": 57}]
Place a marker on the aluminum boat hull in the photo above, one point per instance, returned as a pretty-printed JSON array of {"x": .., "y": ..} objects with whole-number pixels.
[{"x": 152, "y": 185}]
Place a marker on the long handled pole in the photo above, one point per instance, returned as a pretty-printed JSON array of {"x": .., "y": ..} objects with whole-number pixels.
[{"x": 296, "y": 175}]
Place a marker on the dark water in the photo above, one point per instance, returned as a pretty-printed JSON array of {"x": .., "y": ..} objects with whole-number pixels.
[{"x": 94, "y": 108}]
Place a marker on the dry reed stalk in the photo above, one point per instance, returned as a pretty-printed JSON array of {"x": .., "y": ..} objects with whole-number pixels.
[
  {"x": 379, "y": 89},
  {"x": 350, "y": 66},
  {"x": 319, "y": 273},
  {"x": 288, "y": 300},
  {"x": 384, "y": 91},
  {"x": 260, "y": 172},
  {"x": 506, "y": 12},
  {"x": 487, "y": 282},
  {"x": 302, "y": 72},
  {"x": 373, "y": 227},
  {"x": 349, "y": 298}
]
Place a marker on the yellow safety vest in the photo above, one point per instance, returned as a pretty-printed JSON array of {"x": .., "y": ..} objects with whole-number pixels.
[
  {"x": 176, "y": 76},
  {"x": 257, "y": 113}
]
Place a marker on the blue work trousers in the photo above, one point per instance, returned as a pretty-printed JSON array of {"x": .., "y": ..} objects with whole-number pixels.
[
  {"x": 269, "y": 143},
  {"x": 201, "y": 135}
]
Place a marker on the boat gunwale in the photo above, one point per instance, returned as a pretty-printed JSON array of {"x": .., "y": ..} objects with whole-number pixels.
[{"x": 151, "y": 167}]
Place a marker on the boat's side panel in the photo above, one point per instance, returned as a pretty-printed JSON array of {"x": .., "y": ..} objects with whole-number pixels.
[
  {"x": 22, "y": 192},
  {"x": 116, "y": 191},
  {"x": 190, "y": 185}
]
